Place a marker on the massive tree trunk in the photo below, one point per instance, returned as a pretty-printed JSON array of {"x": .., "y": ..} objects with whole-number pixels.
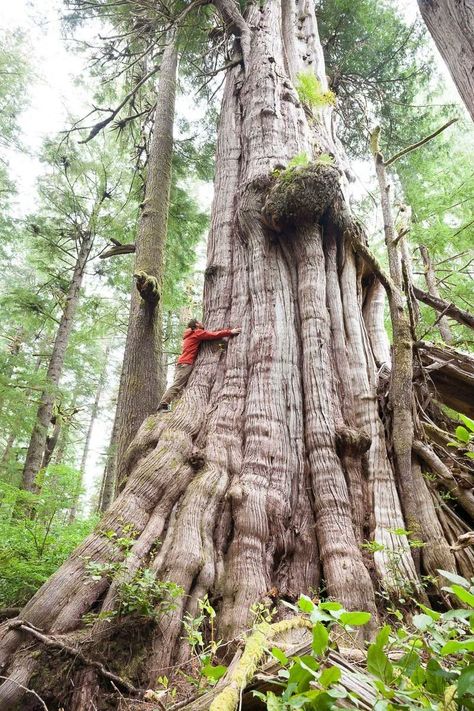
[
  {"x": 139, "y": 393},
  {"x": 37, "y": 444},
  {"x": 273, "y": 467},
  {"x": 451, "y": 24}
]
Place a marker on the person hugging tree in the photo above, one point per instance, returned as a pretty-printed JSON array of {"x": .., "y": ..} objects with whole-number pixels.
[{"x": 194, "y": 334}]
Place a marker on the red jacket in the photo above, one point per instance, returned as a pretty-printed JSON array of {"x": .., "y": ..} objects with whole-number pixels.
[{"x": 192, "y": 339}]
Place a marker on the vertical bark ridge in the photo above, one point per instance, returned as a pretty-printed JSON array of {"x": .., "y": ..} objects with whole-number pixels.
[
  {"x": 373, "y": 314},
  {"x": 340, "y": 554},
  {"x": 394, "y": 563},
  {"x": 351, "y": 460}
]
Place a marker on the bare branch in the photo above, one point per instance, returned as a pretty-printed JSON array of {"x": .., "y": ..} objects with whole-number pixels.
[
  {"x": 117, "y": 250},
  {"x": 416, "y": 145},
  {"x": 445, "y": 307}
]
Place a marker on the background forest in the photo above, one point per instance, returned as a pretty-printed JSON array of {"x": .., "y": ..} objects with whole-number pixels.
[{"x": 70, "y": 232}]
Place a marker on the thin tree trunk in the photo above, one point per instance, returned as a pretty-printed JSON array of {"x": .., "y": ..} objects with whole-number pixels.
[
  {"x": 107, "y": 489},
  {"x": 451, "y": 24},
  {"x": 430, "y": 277},
  {"x": 90, "y": 427},
  {"x": 7, "y": 451},
  {"x": 141, "y": 377},
  {"x": 61, "y": 448},
  {"x": 38, "y": 437}
]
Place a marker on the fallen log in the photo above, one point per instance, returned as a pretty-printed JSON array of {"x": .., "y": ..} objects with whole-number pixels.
[{"x": 451, "y": 373}]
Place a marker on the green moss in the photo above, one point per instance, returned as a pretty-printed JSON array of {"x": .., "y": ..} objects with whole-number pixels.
[
  {"x": 254, "y": 651},
  {"x": 301, "y": 195}
]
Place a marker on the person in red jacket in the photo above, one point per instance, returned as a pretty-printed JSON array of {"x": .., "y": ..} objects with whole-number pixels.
[{"x": 192, "y": 337}]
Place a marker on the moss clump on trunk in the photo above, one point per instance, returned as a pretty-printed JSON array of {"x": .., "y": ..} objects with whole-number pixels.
[{"x": 301, "y": 195}]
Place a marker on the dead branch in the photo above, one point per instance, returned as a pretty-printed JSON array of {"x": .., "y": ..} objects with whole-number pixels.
[
  {"x": 25, "y": 688},
  {"x": 465, "y": 497},
  {"x": 442, "y": 306},
  {"x": 416, "y": 145},
  {"x": 113, "y": 112},
  {"x": 118, "y": 249}
]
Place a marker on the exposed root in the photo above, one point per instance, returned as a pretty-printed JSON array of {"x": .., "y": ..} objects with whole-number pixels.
[{"x": 75, "y": 652}]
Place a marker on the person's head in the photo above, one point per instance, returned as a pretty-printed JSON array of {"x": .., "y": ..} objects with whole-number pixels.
[{"x": 195, "y": 323}]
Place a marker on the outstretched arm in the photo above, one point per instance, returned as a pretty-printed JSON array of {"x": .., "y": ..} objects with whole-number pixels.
[{"x": 215, "y": 335}]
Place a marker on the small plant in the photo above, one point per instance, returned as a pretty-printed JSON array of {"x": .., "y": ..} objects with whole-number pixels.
[
  {"x": 97, "y": 571},
  {"x": 261, "y": 613},
  {"x": 310, "y": 92},
  {"x": 465, "y": 435},
  {"x": 194, "y": 628},
  {"x": 299, "y": 160},
  {"x": 146, "y": 596},
  {"x": 372, "y": 546},
  {"x": 428, "y": 664}
]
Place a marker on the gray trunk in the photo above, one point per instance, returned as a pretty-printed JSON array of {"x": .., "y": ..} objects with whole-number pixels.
[
  {"x": 90, "y": 427},
  {"x": 451, "y": 24},
  {"x": 141, "y": 377},
  {"x": 38, "y": 437}
]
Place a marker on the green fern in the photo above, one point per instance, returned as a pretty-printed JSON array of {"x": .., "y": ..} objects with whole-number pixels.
[{"x": 310, "y": 91}]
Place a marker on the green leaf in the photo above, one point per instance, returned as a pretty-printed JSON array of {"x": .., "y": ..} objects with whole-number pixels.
[
  {"x": 305, "y": 604},
  {"x": 330, "y": 606},
  {"x": 437, "y": 678},
  {"x": 467, "y": 421},
  {"x": 422, "y": 622},
  {"x": 280, "y": 656},
  {"x": 379, "y": 664},
  {"x": 463, "y": 595},
  {"x": 462, "y": 434},
  {"x": 320, "y": 639},
  {"x": 274, "y": 702},
  {"x": 458, "y": 614},
  {"x": 329, "y": 676},
  {"x": 355, "y": 619},
  {"x": 466, "y": 682},
  {"x": 382, "y": 637},
  {"x": 427, "y": 610},
  {"x": 213, "y": 673},
  {"x": 455, "y": 646}
]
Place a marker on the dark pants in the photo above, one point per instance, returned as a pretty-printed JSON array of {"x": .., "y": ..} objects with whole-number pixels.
[{"x": 181, "y": 377}]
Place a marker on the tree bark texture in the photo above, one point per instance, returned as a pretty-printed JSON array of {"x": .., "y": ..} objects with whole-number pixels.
[
  {"x": 294, "y": 470},
  {"x": 141, "y": 377},
  {"x": 451, "y": 24},
  {"x": 38, "y": 437}
]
